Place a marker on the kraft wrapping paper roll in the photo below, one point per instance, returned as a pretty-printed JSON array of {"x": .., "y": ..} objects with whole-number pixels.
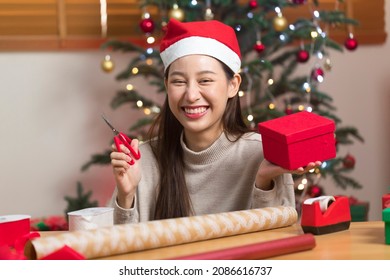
[
  {"x": 121, "y": 239},
  {"x": 91, "y": 218}
]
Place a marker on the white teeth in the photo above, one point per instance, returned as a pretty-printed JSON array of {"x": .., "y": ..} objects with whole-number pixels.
[{"x": 198, "y": 110}]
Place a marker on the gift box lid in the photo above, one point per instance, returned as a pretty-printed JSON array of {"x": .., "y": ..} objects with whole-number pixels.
[
  {"x": 296, "y": 127},
  {"x": 386, "y": 215}
]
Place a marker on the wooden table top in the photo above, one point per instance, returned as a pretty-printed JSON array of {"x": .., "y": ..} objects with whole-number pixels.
[{"x": 363, "y": 240}]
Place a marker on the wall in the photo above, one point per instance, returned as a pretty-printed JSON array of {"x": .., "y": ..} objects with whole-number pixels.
[{"x": 50, "y": 107}]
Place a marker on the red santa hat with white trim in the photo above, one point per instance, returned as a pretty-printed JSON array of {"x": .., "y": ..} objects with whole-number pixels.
[{"x": 212, "y": 38}]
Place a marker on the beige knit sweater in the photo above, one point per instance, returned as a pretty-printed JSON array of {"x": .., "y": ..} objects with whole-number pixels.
[{"x": 220, "y": 179}]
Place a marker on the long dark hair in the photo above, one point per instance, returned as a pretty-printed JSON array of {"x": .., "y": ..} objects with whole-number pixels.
[{"x": 173, "y": 199}]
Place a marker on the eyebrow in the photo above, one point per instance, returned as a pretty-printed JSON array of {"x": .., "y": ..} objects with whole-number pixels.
[{"x": 198, "y": 73}]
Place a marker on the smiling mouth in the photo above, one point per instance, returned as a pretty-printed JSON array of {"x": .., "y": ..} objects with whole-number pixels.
[{"x": 195, "y": 111}]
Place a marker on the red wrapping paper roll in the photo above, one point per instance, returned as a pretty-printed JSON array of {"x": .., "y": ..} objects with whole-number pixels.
[
  {"x": 12, "y": 228},
  {"x": 260, "y": 250}
]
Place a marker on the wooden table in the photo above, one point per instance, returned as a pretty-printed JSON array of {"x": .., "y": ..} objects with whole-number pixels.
[{"x": 363, "y": 240}]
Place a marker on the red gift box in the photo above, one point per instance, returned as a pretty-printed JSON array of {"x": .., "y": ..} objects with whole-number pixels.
[
  {"x": 294, "y": 140},
  {"x": 386, "y": 201}
]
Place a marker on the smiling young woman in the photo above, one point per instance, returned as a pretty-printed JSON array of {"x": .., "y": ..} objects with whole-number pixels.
[{"x": 200, "y": 157}]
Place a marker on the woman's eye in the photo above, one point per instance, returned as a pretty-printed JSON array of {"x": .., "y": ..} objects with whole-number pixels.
[
  {"x": 178, "y": 82},
  {"x": 205, "y": 81}
]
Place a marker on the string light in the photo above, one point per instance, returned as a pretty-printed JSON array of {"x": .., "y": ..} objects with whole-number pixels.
[
  {"x": 135, "y": 71},
  {"x": 150, "y": 40},
  {"x": 129, "y": 87},
  {"x": 149, "y": 61}
]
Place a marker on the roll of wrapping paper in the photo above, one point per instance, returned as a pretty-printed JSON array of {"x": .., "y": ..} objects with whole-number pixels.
[
  {"x": 261, "y": 250},
  {"x": 121, "y": 239}
]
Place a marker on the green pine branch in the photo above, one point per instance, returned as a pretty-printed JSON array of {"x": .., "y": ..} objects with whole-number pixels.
[{"x": 81, "y": 201}]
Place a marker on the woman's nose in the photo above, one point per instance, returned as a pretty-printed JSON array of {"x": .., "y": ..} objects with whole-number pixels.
[{"x": 192, "y": 92}]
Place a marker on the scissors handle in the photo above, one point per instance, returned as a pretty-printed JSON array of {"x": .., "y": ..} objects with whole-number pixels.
[{"x": 122, "y": 138}]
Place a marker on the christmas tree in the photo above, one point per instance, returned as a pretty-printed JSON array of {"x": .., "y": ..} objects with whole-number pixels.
[{"x": 275, "y": 49}]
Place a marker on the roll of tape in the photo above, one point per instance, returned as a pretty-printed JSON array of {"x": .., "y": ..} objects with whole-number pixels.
[
  {"x": 324, "y": 201},
  {"x": 13, "y": 227},
  {"x": 91, "y": 218}
]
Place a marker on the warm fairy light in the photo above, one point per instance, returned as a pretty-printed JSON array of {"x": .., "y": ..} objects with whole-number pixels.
[
  {"x": 146, "y": 15},
  {"x": 140, "y": 103},
  {"x": 304, "y": 181},
  {"x": 306, "y": 87},
  {"x": 129, "y": 87},
  {"x": 147, "y": 111},
  {"x": 241, "y": 93},
  {"x": 155, "y": 109},
  {"x": 301, "y": 107},
  {"x": 270, "y": 82},
  {"x": 301, "y": 187},
  {"x": 312, "y": 170},
  {"x": 150, "y": 40},
  {"x": 135, "y": 71},
  {"x": 271, "y": 106},
  {"x": 314, "y": 34},
  {"x": 149, "y": 61},
  {"x": 250, "y": 118}
]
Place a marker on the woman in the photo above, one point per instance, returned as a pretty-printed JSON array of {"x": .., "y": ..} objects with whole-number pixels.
[{"x": 200, "y": 157}]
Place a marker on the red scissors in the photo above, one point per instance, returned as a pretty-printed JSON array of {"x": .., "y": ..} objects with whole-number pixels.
[{"x": 121, "y": 138}]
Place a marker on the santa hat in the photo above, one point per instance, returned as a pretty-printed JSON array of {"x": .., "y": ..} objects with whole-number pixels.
[{"x": 212, "y": 38}]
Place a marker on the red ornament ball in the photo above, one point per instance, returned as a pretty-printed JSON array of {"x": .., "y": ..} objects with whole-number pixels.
[
  {"x": 303, "y": 56},
  {"x": 147, "y": 25},
  {"x": 288, "y": 110},
  {"x": 299, "y": 2},
  {"x": 259, "y": 47},
  {"x": 351, "y": 43},
  {"x": 317, "y": 74},
  {"x": 253, "y": 4},
  {"x": 349, "y": 161},
  {"x": 314, "y": 191}
]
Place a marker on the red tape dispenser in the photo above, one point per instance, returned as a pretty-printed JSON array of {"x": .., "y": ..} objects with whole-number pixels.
[{"x": 325, "y": 214}]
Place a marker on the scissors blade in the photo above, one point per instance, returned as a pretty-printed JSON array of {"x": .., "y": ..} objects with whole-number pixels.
[{"x": 110, "y": 125}]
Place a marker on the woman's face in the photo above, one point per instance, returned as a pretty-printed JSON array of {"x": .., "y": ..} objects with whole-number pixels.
[{"x": 198, "y": 90}]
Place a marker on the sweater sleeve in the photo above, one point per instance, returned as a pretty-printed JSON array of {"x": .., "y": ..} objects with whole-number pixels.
[
  {"x": 122, "y": 215},
  {"x": 282, "y": 193}
]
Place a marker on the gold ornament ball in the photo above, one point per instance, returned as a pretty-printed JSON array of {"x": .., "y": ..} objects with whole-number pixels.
[
  {"x": 107, "y": 64},
  {"x": 176, "y": 13},
  {"x": 280, "y": 23}
]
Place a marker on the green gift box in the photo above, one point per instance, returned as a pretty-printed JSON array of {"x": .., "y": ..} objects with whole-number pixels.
[{"x": 359, "y": 211}]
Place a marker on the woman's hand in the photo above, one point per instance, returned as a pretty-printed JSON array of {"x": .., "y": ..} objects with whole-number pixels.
[
  {"x": 268, "y": 171},
  {"x": 126, "y": 176}
]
